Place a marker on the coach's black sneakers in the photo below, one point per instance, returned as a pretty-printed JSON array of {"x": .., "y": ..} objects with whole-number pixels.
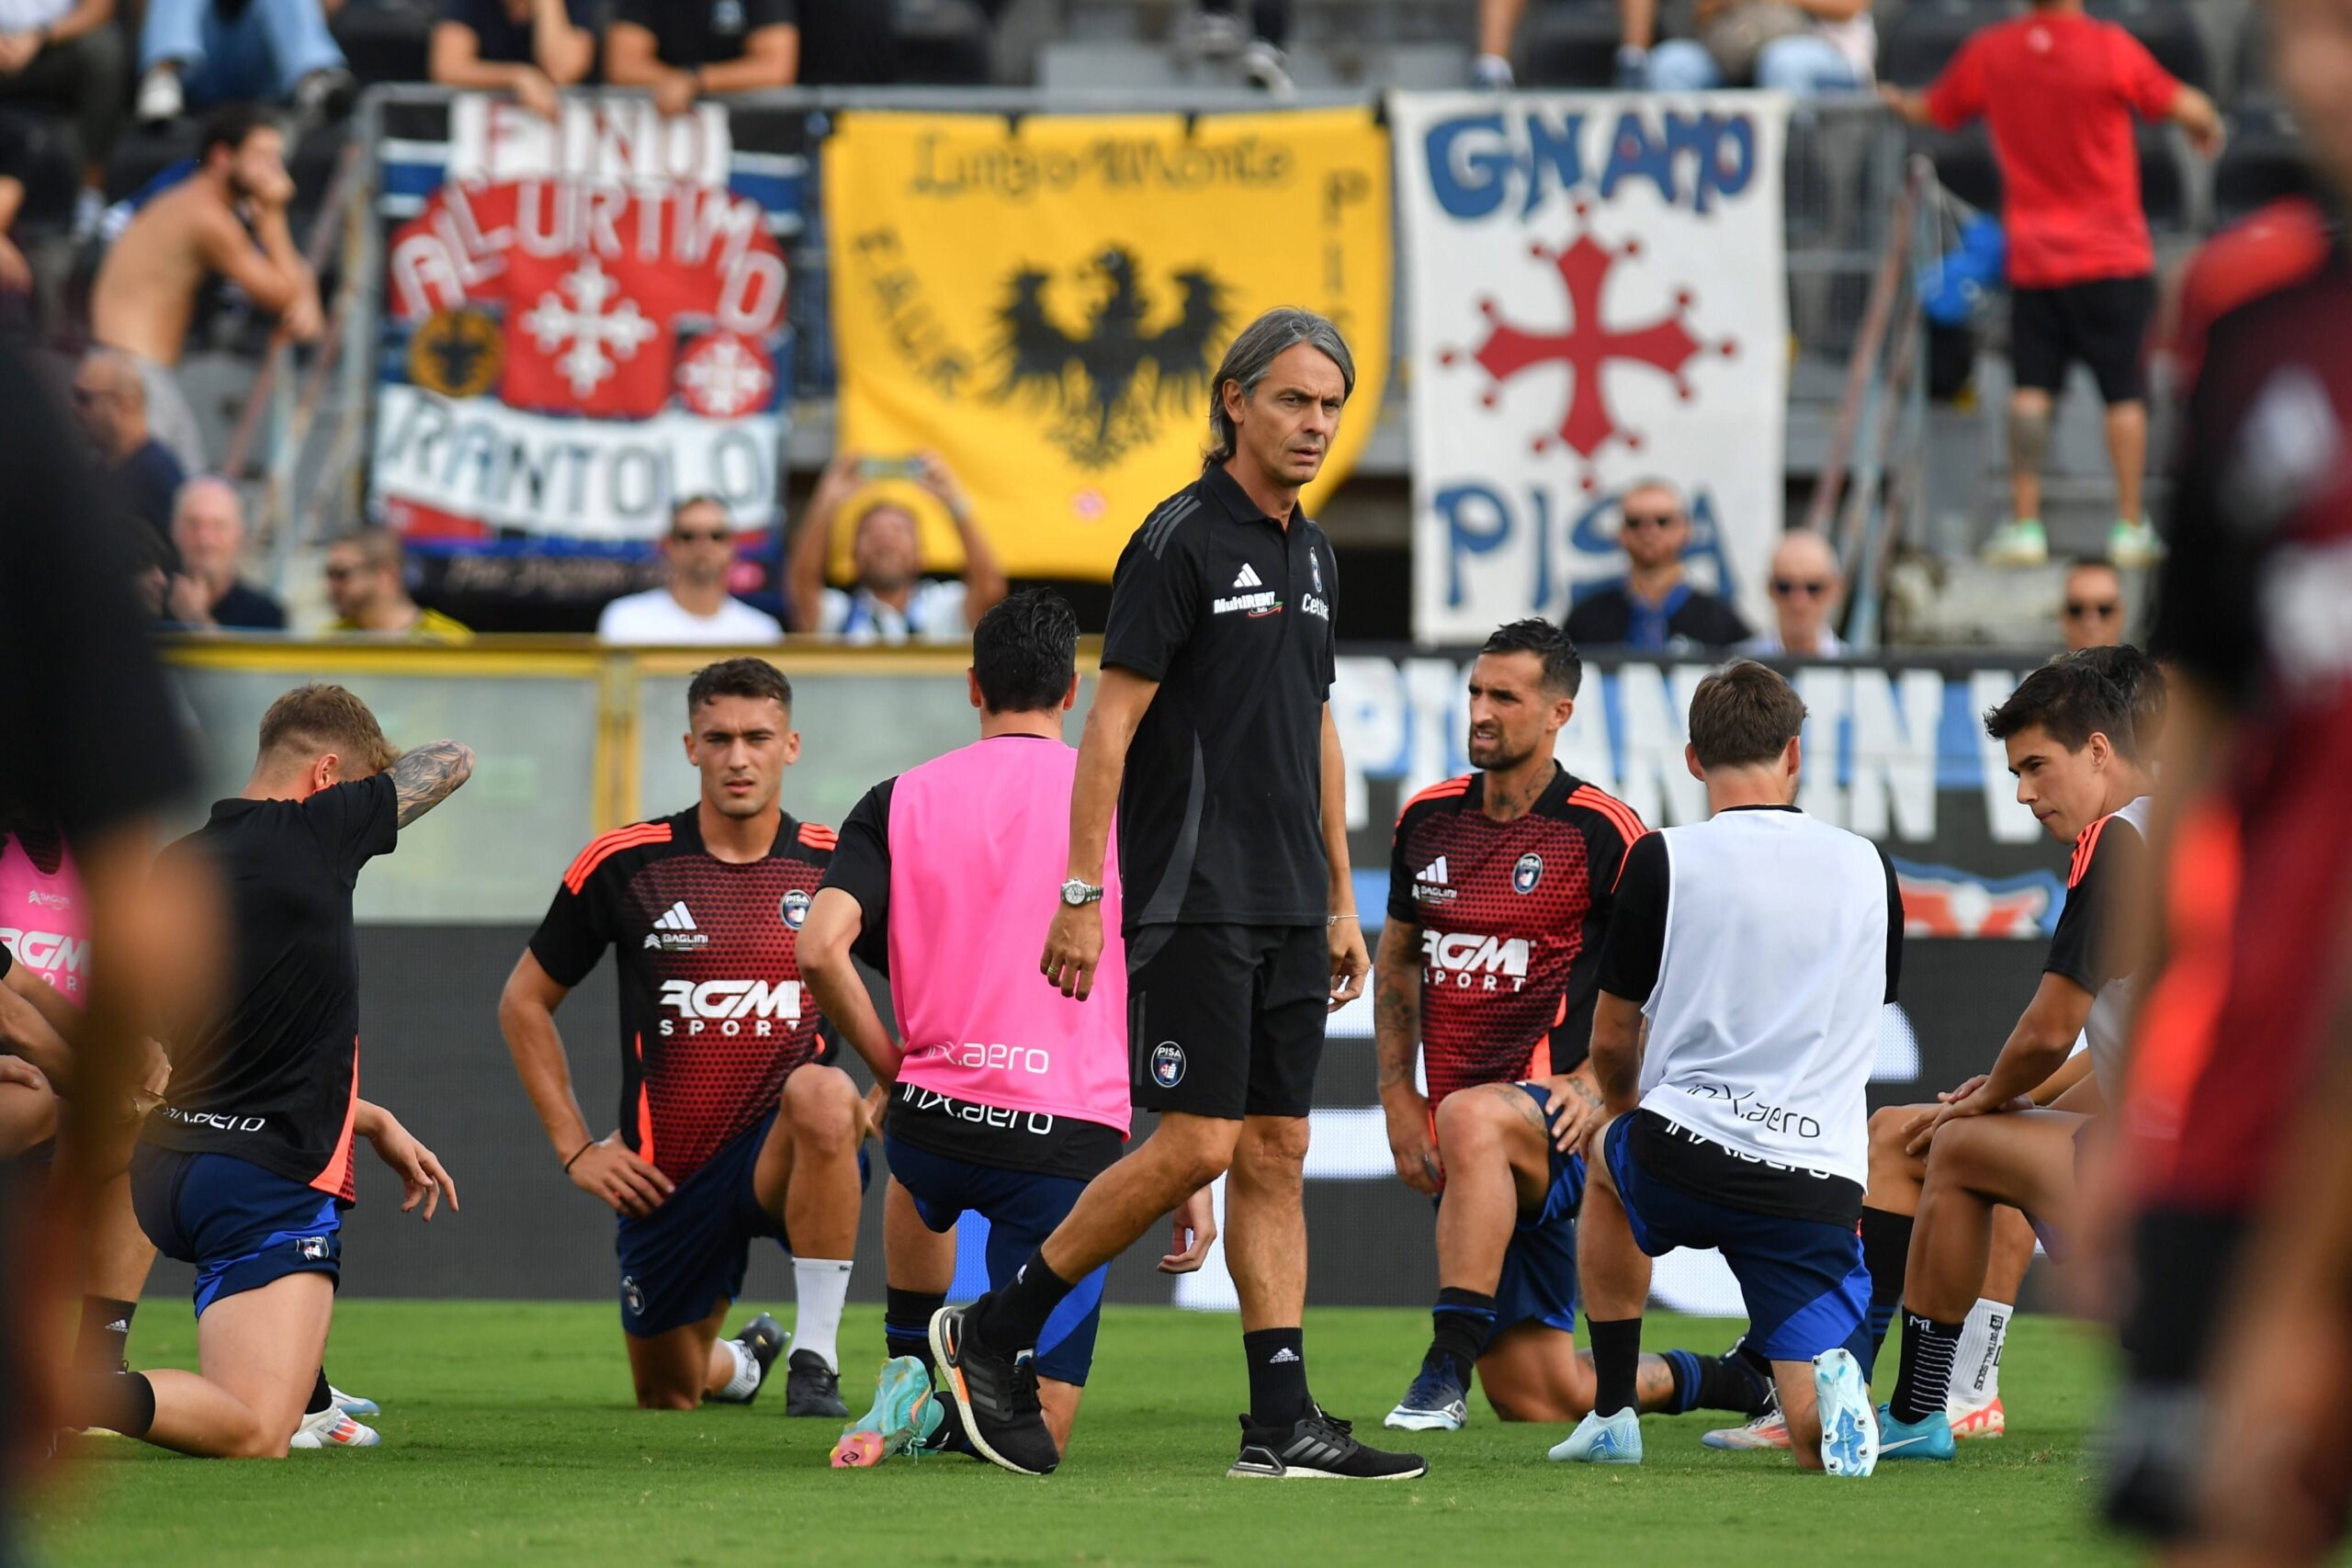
[
  {"x": 813, "y": 1388},
  {"x": 996, "y": 1393},
  {"x": 762, "y": 1339},
  {"x": 1318, "y": 1447}
]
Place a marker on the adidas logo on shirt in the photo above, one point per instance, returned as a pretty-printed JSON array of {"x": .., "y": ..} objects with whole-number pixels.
[
  {"x": 674, "y": 930},
  {"x": 1249, "y": 578},
  {"x": 1431, "y": 885}
]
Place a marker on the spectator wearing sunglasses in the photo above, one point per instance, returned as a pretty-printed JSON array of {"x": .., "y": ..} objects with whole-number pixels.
[
  {"x": 1655, "y": 609},
  {"x": 2091, "y": 615},
  {"x": 694, "y": 607},
  {"x": 1806, "y": 588},
  {"x": 366, "y": 575}
]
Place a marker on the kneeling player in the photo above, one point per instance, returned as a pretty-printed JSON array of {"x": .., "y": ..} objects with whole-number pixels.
[
  {"x": 1008, "y": 1097},
  {"x": 1762, "y": 946},
  {"x": 732, "y": 1129},
  {"x": 2072, "y": 745},
  {"x": 246, "y": 1166},
  {"x": 1499, "y": 899}
]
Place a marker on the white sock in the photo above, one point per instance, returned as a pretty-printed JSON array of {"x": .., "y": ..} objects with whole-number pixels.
[
  {"x": 822, "y": 1285},
  {"x": 746, "y": 1380},
  {"x": 1976, "y": 1373}
]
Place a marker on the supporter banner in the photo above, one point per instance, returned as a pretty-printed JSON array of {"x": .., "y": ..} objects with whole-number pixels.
[
  {"x": 1045, "y": 299},
  {"x": 1597, "y": 295},
  {"x": 584, "y": 320}
]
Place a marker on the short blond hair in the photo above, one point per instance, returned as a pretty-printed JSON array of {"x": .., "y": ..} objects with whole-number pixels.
[{"x": 316, "y": 719}]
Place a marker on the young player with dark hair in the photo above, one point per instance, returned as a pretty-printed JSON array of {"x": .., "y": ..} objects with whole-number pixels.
[
  {"x": 733, "y": 1126},
  {"x": 245, "y": 1167},
  {"x": 2069, "y": 735},
  {"x": 1498, "y": 897},
  {"x": 1760, "y": 946},
  {"x": 935, "y": 871}
]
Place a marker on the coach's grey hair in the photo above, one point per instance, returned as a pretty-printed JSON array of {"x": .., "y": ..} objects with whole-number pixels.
[{"x": 1257, "y": 347}]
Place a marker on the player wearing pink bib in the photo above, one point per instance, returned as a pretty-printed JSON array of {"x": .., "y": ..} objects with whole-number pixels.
[{"x": 1005, "y": 1097}]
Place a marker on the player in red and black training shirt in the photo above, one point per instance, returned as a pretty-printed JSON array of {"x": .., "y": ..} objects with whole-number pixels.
[
  {"x": 2237, "y": 1092},
  {"x": 732, "y": 1127},
  {"x": 1499, "y": 899},
  {"x": 245, "y": 1167}
]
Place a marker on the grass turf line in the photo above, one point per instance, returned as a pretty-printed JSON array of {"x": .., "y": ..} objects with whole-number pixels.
[{"x": 509, "y": 1436}]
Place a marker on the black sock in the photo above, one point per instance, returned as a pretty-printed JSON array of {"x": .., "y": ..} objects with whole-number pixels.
[
  {"x": 1616, "y": 1358},
  {"x": 119, "y": 1402},
  {"x": 905, "y": 1323},
  {"x": 321, "y": 1395},
  {"x": 1715, "y": 1383},
  {"x": 105, "y": 1333},
  {"x": 1886, "y": 1246},
  {"x": 1929, "y": 1350},
  {"x": 1017, "y": 1312},
  {"x": 1463, "y": 1321},
  {"x": 1277, "y": 1358}
]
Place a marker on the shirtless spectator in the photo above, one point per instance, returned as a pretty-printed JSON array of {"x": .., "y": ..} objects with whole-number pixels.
[
  {"x": 208, "y": 529},
  {"x": 68, "y": 55},
  {"x": 111, "y": 400},
  {"x": 685, "y": 49},
  {"x": 227, "y": 219},
  {"x": 532, "y": 49}
]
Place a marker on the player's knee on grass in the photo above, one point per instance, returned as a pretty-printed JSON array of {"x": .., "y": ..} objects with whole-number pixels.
[{"x": 821, "y": 1105}]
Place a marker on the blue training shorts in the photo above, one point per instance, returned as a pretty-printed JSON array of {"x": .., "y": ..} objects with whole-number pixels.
[
  {"x": 1802, "y": 1280},
  {"x": 242, "y": 1227},
  {"x": 1022, "y": 1208},
  {"x": 1539, "y": 1283}
]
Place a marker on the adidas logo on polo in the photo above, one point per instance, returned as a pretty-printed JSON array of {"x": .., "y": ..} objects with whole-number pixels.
[
  {"x": 1434, "y": 874},
  {"x": 677, "y": 918},
  {"x": 674, "y": 930},
  {"x": 1249, "y": 578},
  {"x": 1430, "y": 886}
]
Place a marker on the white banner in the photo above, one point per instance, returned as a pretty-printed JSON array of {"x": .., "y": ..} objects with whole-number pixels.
[{"x": 1597, "y": 295}]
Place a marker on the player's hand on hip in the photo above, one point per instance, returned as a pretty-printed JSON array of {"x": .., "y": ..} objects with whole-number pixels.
[
  {"x": 1349, "y": 961},
  {"x": 1409, "y": 1143},
  {"x": 877, "y": 1105},
  {"x": 1194, "y": 1229},
  {"x": 609, "y": 1169},
  {"x": 1572, "y": 1106},
  {"x": 1074, "y": 949}
]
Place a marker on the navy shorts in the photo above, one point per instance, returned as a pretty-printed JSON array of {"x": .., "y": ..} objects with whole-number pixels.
[
  {"x": 1802, "y": 1280},
  {"x": 1539, "y": 1283},
  {"x": 242, "y": 1227},
  {"x": 1022, "y": 1209}
]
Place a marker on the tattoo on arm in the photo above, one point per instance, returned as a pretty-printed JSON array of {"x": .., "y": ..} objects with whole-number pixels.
[
  {"x": 428, "y": 775},
  {"x": 1396, "y": 1004}
]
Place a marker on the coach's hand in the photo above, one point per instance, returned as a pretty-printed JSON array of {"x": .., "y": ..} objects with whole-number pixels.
[
  {"x": 1195, "y": 1227},
  {"x": 1349, "y": 961},
  {"x": 1409, "y": 1143},
  {"x": 632, "y": 1186},
  {"x": 1573, "y": 1106},
  {"x": 1073, "y": 949}
]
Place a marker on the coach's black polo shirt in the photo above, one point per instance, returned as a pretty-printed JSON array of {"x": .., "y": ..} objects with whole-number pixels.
[{"x": 1220, "y": 815}]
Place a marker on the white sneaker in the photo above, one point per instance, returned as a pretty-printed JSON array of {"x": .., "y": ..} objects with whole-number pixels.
[
  {"x": 1491, "y": 73},
  {"x": 1266, "y": 68},
  {"x": 1602, "y": 1439},
  {"x": 1848, "y": 1422},
  {"x": 2132, "y": 544},
  {"x": 2021, "y": 542},
  {"x": 331, "y": 1428},
  {"x": 353, "y": 1403},
  {"x": 160, "y": 97}
]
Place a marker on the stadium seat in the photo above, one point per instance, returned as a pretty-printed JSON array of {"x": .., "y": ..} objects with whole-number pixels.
[
  {"x": 52, "y": 159},
  {"x": 385, "y": 44},
  {"x": 2264, "y": 161},
  {"x": 1569, "y": 46},
  {"x": 1923, "y": 38},
  {"x": 2251, "y": 88},
  {"x": 945, "y": 42},
  {"x": 2168, "y": 30}
]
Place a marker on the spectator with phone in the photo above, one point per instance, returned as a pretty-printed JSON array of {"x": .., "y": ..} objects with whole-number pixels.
[{"x": 890, "y": 600}]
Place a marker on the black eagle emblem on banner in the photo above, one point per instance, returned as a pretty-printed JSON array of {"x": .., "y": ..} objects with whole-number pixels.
[{"x": 1106, "y": 387}]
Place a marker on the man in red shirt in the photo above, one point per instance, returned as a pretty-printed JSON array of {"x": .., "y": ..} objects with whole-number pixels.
[{"x": 2059, "y": 90}]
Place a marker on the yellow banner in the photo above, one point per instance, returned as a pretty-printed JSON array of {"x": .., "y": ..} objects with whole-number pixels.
[{"x": 1044, "y": 303}]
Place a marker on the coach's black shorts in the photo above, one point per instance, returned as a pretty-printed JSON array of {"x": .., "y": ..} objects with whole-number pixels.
[
  {"x": 1227, "y": 1020},
  {"x": 2103, "y": 324}
]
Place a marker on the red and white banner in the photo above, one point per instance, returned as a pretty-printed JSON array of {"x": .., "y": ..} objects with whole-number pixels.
[
  {"x": 587, "y": 323},
  {"x": 1597, "y": 297}
]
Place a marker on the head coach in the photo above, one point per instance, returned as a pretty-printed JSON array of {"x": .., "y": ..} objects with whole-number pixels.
[{"x": 1211, "y": 732}]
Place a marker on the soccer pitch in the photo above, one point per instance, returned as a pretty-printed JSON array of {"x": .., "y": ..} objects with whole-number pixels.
[{"x": 509, "y": 1437}]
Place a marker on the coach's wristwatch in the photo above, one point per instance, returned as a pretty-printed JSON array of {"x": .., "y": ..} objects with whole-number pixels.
[{"x": 1078, "y": 894}]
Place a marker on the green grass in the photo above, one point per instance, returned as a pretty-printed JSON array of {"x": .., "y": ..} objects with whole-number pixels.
[{"x": 508, "y": 1437}]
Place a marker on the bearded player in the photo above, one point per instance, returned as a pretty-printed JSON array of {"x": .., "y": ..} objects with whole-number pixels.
[
  {"x": 1499, "y": 899},
  {"x": 733, "y": 1128}
]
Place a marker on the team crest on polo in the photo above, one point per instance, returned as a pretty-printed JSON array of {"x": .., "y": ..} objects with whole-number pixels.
[
  {"x": 794, "y": 908},
  {"x": 1527, "y": 874},
  {"x": 1167, "y": 1064}
]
